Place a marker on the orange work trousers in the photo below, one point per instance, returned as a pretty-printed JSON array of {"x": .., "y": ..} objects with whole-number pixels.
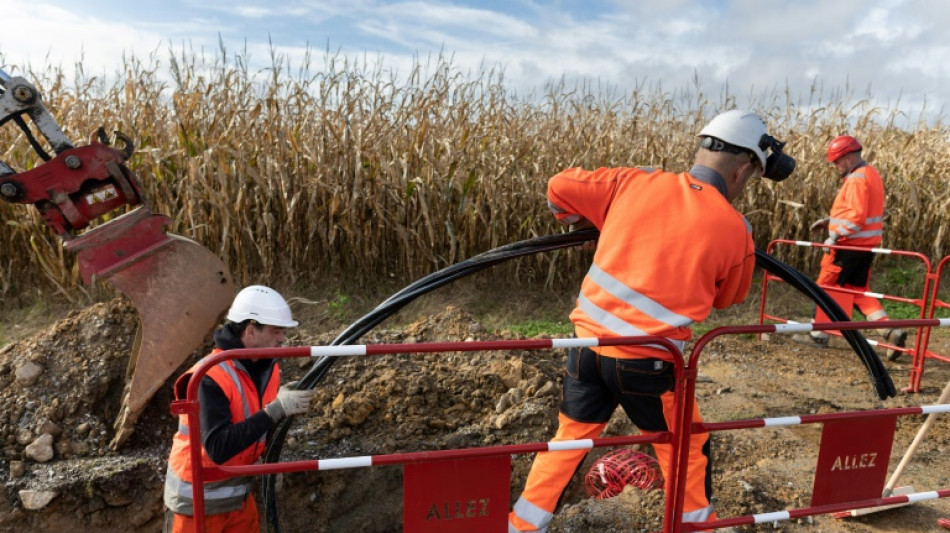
[
  {"x": 838, "y": 269},
  {"x": 244, "y": 520}
]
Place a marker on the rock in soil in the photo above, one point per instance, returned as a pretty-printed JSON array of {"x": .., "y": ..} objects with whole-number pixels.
[{"x": 61, "y": 387}]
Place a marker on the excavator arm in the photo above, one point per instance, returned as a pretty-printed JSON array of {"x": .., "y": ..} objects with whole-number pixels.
[{"x": 179, "y": 288}]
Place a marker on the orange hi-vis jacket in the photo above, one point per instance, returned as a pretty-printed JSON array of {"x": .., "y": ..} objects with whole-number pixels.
[
  {"x": 671, "y": 248},
  {"x": 229, "y": 494},
  {"x": 857, "y": 215}
]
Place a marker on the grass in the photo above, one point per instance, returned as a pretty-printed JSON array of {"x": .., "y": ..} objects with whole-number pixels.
[
  {"x": 541, "y": 327},
  {"x": 339, "y": 305},
  {"x": 19, "y": 320}
]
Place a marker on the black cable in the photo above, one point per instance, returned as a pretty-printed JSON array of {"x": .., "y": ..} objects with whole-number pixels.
[
  {"x": 31, "y": 138},
  {"x": 386, "y": 309},
  {"x": 880, "y": 379},
  {"x": 879, "y": 376}
]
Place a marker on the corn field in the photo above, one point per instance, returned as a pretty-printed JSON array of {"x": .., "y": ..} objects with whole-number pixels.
[{"x": 339, "y": 167}]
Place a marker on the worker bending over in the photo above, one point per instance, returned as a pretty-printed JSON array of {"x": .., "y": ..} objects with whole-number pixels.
[{"x": 671, "y": 248}]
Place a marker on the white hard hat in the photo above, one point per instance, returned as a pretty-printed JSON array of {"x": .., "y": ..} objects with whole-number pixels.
[
  {"x": 262, "y": 305},
  {"x": 739, "y": 128}
]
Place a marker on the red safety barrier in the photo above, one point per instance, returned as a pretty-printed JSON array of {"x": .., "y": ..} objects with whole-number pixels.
[
  {"x": 935, "y": 303},
  {"x": 845, "y": 298},
  {"x": 846, "y": 448},
  {"x": 847, "y": 475},
  {"x": 450, "y": 507}
]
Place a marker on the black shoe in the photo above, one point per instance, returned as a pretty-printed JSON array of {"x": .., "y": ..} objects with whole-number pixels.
[{"x": 897, "y": 337}]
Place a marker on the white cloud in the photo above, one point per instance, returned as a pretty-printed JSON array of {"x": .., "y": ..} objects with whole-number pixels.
[
  {"x": 46, "y": 34},
  {"x": 885, "y": 24},
  {"x": 252, "y": 12},
  {"x": 896, "y": 46}
]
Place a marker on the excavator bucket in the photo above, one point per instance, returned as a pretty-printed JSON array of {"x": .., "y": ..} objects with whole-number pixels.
[
  {"x": 180, "y": 294},
  {"x": 179, "y": 288}
]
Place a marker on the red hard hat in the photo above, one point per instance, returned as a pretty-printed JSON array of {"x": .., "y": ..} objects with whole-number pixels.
[{"x": 842, "y": 145}]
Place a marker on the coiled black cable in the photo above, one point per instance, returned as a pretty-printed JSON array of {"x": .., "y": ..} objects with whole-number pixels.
[{"x": 880, "y": 379}]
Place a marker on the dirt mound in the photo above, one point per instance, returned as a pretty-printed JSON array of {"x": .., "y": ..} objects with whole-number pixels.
[
  {"x": 62, "y": 387},
  {"x": 61, "y": 382},
  {"x": 60, "y": 393}
]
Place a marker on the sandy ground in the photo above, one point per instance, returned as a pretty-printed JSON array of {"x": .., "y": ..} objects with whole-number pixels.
[{"x": 401, "y": 403}]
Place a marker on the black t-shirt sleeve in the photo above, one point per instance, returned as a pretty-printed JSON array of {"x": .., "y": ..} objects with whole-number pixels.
[{"x": 221, "y": 438}]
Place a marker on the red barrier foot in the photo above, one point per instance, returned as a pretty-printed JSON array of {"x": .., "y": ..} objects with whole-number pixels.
[{"x": 944, "y": 523}]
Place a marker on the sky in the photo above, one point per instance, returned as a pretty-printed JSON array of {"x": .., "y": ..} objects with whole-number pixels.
[{"x": 895, "y": 50}]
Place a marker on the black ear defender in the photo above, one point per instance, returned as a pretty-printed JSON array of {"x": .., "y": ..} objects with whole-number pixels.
[{"x": 778, "y": 165}]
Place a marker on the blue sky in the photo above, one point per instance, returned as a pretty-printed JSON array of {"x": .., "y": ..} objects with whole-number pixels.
[{"x": 897, "y": 48}]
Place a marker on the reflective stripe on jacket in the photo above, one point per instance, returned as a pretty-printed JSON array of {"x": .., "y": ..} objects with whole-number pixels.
[
  {"x": 229, "y": 494},
  {"x": 671, "y": 247},
  {"x": 857, "y": 216}
]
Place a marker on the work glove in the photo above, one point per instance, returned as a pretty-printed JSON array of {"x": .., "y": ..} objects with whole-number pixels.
[
  {"x": 819, "y": 225},
  {"x": 289, "y": 402},
  {"x": 830, "y": 241}
]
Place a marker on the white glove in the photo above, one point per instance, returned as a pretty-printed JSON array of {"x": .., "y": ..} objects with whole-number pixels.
[
  {"x": 830, "y": 241},
  {"x": 289, "y": 402}
]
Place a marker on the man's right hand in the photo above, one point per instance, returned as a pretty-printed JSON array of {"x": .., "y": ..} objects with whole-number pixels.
[
  {"x": 288, "y": 403},
  {"x": 581, "y": 225}
]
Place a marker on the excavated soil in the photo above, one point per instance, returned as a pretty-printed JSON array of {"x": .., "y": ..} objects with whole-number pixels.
[{"x": 60, "y": 390}]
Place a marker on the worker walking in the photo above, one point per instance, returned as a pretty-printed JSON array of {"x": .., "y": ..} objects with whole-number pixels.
[
  {"x": 857, "y": 219},
  {"x": 671, "y": 248},
  {"x": 240, "y": 401}
]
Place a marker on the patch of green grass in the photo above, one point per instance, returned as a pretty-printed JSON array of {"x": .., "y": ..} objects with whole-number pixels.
[
  {"x": 901, "y": 311},
  {"x": 338, "y": 307},
  {"x": 703, "y": 328},
  {"x": 901, "y": 276},
  {"x": 898, "y": 310},
  {"x": 536, "y": 327}
]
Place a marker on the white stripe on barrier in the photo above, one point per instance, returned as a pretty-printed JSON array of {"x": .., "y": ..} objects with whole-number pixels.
[
  {"x": 560, "y": 445},
  {"x": 574, "y": 343},
  {"x": 771, "y": 517},
  {"x": 792, "y": 327},
  {"x": 945, "y": 321},
  {"x": 885, "y": 251},
  {"x": 922, "y": 496},
  {"x": 337, "y": 351},
  {"x": 345, "y": 462},
  {"x": 872, "y": 342},
  {"x": 877, "y": 295},
  {"x": 938, "y": 408},
  {"x": 783, "y": 421}
]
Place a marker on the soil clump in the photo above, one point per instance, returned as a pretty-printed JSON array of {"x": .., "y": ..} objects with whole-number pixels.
[{"x": 61, "y": 388}]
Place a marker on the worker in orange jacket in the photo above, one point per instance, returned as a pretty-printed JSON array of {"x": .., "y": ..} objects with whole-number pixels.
[
  {"x": 671, "y": 248},
  {"x": 857, "y": 219},
  {"x": 240, "y": 400}
]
